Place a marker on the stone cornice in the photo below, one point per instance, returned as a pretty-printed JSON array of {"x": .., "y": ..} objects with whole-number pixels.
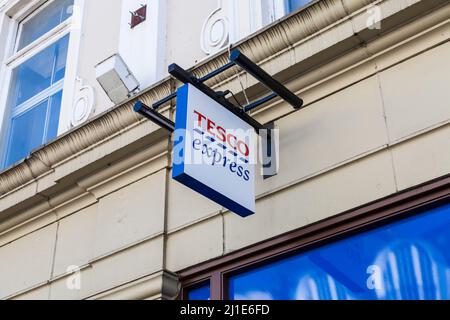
[
  {"x": 163, "y": 285},
  {"x": 330, "y": 22}
]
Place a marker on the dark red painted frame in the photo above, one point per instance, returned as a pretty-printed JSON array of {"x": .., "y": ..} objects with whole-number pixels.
[{"x": 398, "y": 206}]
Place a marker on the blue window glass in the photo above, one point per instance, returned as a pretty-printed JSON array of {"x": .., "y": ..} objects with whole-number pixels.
[
  {"x": 45, "y": 20},
  {"x": 39, "y": 72},
  {"x": 202, "y": 292},
  {"x": 53, "y": 117},
  {"x": 406, "y": 260},
  {"x": 33, "y": 128},
  {"x": 292, "y": 5},
  {"x": 35, "y": 101},
  {"x": 26, "y": 132}
]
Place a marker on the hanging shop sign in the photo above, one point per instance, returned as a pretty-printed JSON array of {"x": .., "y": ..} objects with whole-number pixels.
[
  {"x": 214, "y": 140},
  {"x": 214, "y": 151}
]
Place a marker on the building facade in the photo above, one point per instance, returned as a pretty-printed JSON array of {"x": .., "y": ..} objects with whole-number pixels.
[{"x": 359, "y": 208}]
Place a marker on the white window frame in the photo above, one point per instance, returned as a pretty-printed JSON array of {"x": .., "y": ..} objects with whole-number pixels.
[
  {"x": 248, "y": 16},
  {"x": 12, "y": 14}
]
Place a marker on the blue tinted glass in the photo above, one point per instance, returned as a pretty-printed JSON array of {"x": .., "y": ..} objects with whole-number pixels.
[
  {"x": 405, "y": 260},
  {"x": 55, "y": 107},
  {"x": 39, "y": 72},
  {"x": 45, "y": 20},
  {"x": 200, "y": 293},
  {"x": 293, "y": 5},
  {"x": 33, "y": 76},
  {"x": 27, "y": 132},
  {"x": 60, "y": 59}
]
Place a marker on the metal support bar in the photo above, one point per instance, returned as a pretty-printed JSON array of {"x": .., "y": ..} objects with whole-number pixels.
[
  {"x": 159, "y": 103},
  {"x": 269, "y": 153},
  {"x": 211, "y": 75},
  {"x": 217, "y": 72},
  {"x": 186, "y": 77},
  {"x": 245, "y": 63},
  {"x": 261, "y": 101},
  {"x": 154, "y": 116}
]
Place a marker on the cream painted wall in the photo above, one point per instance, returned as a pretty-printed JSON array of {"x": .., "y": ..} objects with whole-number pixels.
[
  {"x": 114, "y": 211},
  {"x": 143, "y": 47},
  {"x": 181, "y": 38},
  {"x": 344, "y": 164},
  {"x": 103, "y": 16},
  {"x": 184, "y": 29},
  {"x": 335, "y": 155}
]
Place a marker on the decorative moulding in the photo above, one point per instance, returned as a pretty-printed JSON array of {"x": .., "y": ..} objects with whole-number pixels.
[
  {"x": 163, "y": 285},
  {"x": 215, "y": 31},
  {"x": 84, "y": 103}
]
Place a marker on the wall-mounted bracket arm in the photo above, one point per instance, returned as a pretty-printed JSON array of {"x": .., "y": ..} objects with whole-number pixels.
[
  {"x": 163, "y": 101},
  {"x": 262, "y": 76},
  {"x": 269, "y": 143},
  {"x": 154, "y": 116}
]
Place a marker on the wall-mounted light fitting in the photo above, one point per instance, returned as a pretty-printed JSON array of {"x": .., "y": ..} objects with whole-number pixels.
[{"x": 116, "y": 79}]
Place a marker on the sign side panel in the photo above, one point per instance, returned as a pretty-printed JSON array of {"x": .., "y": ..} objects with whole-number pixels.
[
  {"x": 180, "y": 143},
  {"x": 213, "y": 195}
]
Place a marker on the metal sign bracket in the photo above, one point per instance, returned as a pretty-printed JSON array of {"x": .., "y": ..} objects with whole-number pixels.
[{"x": 239, "y": 59}]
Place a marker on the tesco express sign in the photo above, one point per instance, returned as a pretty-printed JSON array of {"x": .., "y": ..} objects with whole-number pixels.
[{"x": 214, "y": 151}]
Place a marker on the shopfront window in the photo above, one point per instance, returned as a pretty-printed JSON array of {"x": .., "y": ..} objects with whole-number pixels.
[
  {"x": 199, "y": 292},
  {"x": 406, "y": 260}
]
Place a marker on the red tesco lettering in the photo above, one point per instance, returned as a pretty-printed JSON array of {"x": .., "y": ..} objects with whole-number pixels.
[{"x": 220, "y": 134}]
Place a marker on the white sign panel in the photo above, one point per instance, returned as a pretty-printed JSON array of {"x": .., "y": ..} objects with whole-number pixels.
[{"x": 214, "y": 151}]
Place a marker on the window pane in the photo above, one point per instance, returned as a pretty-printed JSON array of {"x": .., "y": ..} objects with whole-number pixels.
[
  {"x": 27, "y": 131},
  {"x": 293, "y": 5},
  {"x": 200, "y": 293},
  {"x": 45, "y": 20},
  {"x": 39, "y": 72},
  {"x": 406, "y": 260},
  {"x": 60, "y": 59},
  {"x": 53, "y": 123}
]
